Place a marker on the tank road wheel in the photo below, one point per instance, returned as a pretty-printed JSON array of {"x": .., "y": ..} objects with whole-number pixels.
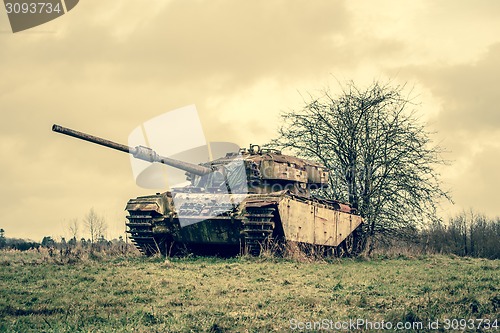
[
  {"x": 258, "y": 227},
  {"x": 348, "y": 245},
  {"x": 140, "y": 226},
  {"x": 351, "y": 245}
]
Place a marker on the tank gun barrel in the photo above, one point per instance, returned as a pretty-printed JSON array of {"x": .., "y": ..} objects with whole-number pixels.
[{"x": 139, "y": 152}]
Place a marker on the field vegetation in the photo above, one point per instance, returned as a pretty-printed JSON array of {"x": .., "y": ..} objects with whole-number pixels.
[{"x": 103, "y": 292}]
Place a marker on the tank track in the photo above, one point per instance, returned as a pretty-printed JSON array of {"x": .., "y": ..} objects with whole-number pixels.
[
  {"x": 258, "y": 226},
  {"x": 351, "y": 246},
  {"x": 140, "y": 226}
]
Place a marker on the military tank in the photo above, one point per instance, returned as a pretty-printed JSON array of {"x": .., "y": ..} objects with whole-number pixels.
[{"x": 239, "y": 203}]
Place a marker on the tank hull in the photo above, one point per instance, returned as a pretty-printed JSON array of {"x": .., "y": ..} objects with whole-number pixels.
[{"x": 204, "y": 223}]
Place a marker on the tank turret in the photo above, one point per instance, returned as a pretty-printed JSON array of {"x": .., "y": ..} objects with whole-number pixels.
[{"x": 268, "y": 171}]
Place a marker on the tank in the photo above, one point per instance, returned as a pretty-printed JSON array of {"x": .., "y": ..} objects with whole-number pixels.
[{"x": 241, "y": 203}]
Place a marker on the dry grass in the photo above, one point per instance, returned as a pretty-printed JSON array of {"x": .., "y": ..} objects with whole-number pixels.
[{"x": 244, "y": 294}]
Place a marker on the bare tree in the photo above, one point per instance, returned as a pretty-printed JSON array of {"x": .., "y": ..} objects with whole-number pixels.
[
  {"x": 74, "y": 228},
  {"x": 95, "y": 225},
  {"x": 381, "y": 157}
]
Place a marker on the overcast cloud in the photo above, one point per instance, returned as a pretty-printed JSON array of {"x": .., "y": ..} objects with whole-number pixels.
[{"x": 106, "y": 67}]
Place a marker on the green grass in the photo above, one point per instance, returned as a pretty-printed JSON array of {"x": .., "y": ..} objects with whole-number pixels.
[{"x": 237, "y": 295}]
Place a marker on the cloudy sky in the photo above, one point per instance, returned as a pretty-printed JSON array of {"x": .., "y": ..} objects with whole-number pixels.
[{"x": 106, "y": 67}]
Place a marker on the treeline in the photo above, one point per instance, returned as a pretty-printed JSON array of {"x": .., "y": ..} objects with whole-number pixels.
[
  {"x": 16, "y": 243},
  {"x": 94, "y": 226},
  {"x": 467, "y": 234},
  {"x": 72, "y": 246}
]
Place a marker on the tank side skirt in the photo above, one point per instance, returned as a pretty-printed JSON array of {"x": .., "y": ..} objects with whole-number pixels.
[{"x": 314, "y": 223}]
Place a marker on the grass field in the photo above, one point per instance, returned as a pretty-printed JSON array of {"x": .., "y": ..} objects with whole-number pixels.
[{"x": 135, "y": 294}]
